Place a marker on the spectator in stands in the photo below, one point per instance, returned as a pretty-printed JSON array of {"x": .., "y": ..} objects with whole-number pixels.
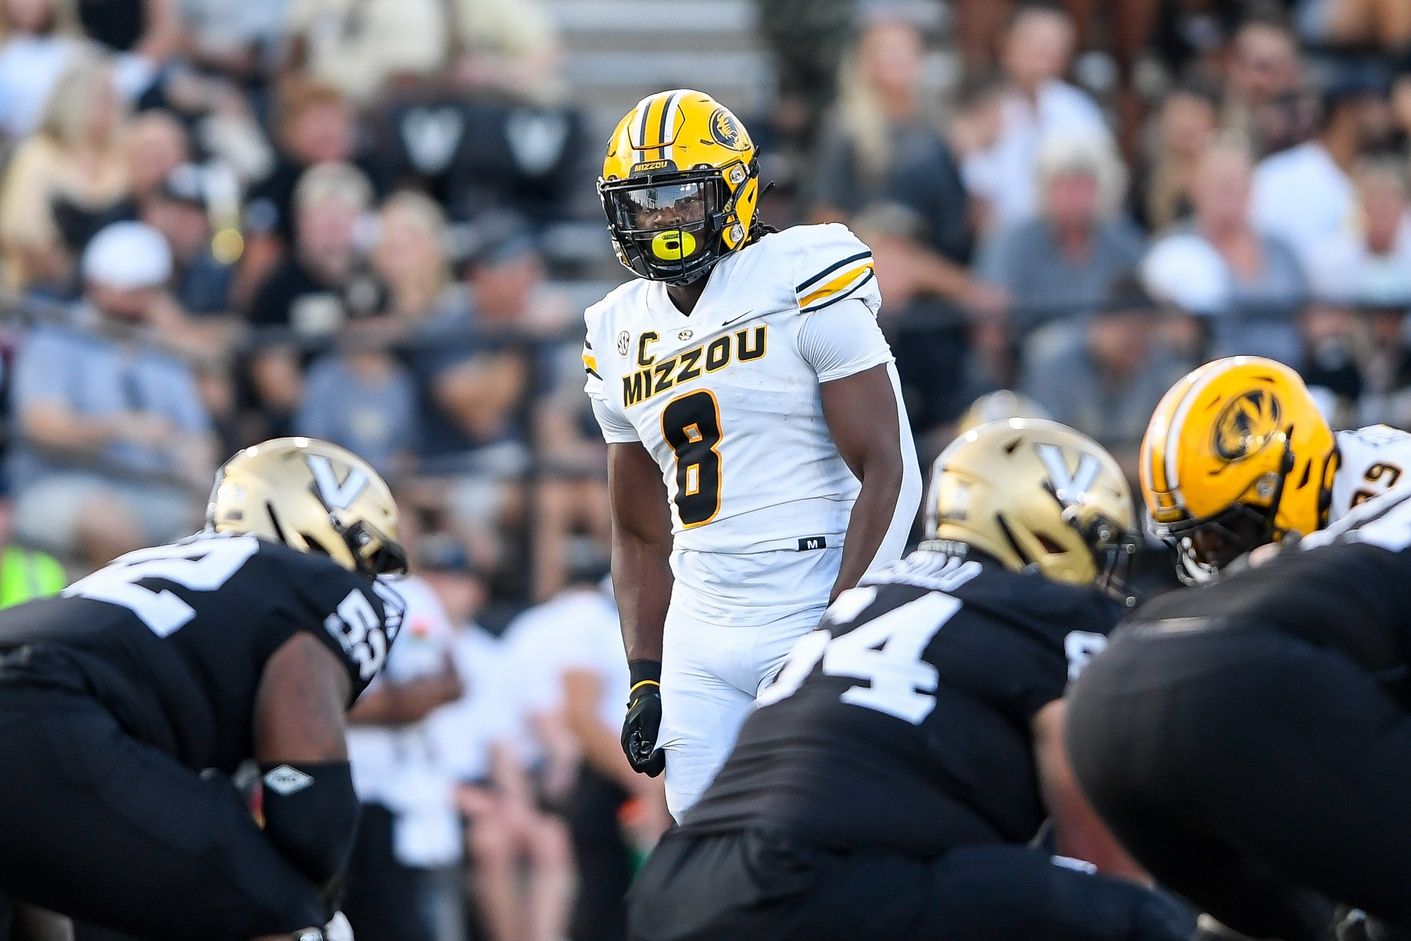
[
  {"x": 1369, "y": 264},
  {"x": 1305, "y": 195},
  {"x": 1061, "y": 262},
  {"x": 477, "y": 738},
  {"x": 409, "y": 829},
  {"x": 1369, "y": 270},
  {"x": 1192, "y": 37},
  {"x": 1264, "y": 283},
  {"x": 412, "y": 258},
  {"x": 1262, "y": 84},
  {"x": 236, "y": 40},
  {"x": 150, "y": 29},
  {"x": 113, "y": 444},
  {"x": 362, "y": 398},
  {"x": 807, "y": 40},
  {"x": 507, "y": 48},
  {"x": 1037, "y": 104},
  {"x": 178, "y": 209},
  {"x": 156, "y": 144},
  {"x": 1104, "y": 374},
  {"x": 69, "y": 173},
  {"x": 41, "y": 39},
  {"x": 476, "y": 367},
  {"x": 25, "y": 573},
  {"x": 314, "y": 123},
  {"x": 882, "y": 143},
  {"x": 322, "y": 284},
  {"x": 1186, "y": 118},
  {"x": 1382, "y": 24},
  {"x": 360, "y": 46},
  {"x": 931, "y": 339},
  {"x": 614, "y": 813},
  {"x": 569, "y": 492}
]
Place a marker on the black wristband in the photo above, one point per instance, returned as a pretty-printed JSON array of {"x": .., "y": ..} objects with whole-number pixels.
[{"x": 643, "y": 671}]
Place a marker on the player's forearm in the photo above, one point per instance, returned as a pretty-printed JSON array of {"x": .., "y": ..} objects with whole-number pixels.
[
  {"x": 1078, "y": 831},
  {"x": 641, "y": 581},
  {"x": 874, "y": 517},
  {"x": 868, "y": 422}
]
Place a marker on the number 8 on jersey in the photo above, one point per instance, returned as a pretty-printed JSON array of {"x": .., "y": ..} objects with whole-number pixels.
[{"x": 691, "y": 426}]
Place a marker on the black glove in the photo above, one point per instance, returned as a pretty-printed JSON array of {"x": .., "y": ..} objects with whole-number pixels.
[{"x": 643, "y": 724}]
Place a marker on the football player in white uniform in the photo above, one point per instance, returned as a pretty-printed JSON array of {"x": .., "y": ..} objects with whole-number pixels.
[
  {"x": 1237, "y": 456},
  {"x": 759, "y": 455}
]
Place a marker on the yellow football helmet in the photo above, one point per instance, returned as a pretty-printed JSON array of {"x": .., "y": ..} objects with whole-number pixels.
[
  {"x": 1237, "y": 455},
  {"x": 1036, "y": 494},
  {"x": 312, "y": 496},
  {"x": 680, "y": 186}
]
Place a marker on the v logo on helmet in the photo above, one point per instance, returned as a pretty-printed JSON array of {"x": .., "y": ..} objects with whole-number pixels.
[
  {"x": 335, "y": 495},
  {"x": 1068, "y": 486},
  {"x": 1245, "y": 425}
]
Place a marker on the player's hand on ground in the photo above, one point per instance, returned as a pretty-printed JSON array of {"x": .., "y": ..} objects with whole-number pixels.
[{"x": 643, "y": 723}]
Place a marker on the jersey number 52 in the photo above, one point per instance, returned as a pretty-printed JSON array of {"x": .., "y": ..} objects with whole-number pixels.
[{"x": 204, "y": 565}]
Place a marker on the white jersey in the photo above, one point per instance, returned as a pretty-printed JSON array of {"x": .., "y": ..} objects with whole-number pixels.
[
  {"x": 1372, "y": 461},
  {"x": 727, "y": 399}
]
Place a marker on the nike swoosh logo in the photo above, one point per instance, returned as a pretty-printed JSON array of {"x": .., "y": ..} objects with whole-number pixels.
[{"x": 727, "y": 323}]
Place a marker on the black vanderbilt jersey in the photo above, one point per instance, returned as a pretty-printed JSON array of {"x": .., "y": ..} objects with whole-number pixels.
[
  {"x": 173, "y": 640},
  {"x": 1347, "y": 587},
  {"x": 903, "y": 722}
]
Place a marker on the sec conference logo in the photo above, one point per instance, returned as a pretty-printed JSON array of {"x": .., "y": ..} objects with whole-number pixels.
[{"x": 1246, "y": 424}]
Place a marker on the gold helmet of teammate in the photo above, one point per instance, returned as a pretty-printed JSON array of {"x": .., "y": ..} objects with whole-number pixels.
[
  {"x": 312, "y": 496},
  {"x": 1237, "y": 455},
  {"x": 680, "y": 186},
  {"x": 1036, "y": 494}
]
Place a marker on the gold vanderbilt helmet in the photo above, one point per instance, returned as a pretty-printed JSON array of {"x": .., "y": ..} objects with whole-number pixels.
[
  {"x": 312, "y": 496},
  {"x": 680, "y": 185},
  {"x": 1036, "y": 494},
  {"x": 1237, "y": 455}
]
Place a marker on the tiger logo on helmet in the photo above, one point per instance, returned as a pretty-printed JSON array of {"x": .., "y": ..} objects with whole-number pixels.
[
  {"x": 680, "y": 186},
  {"x": 1236, "y": 455}
]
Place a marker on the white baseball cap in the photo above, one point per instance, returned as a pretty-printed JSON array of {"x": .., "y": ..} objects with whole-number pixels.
[{"x": 128, "y": 256}]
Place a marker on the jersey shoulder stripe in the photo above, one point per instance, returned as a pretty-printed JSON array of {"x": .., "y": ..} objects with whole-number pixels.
[
  {"x": 829, "y": 264},
  {"x": 838, "y": 290},
  {"x": 860, "y": 256}
]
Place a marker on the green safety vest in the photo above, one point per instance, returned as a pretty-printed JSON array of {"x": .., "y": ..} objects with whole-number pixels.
[{"x": 28, "y": 573}]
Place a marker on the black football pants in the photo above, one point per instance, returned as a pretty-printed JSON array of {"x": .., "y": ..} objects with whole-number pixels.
[
  {"x": 1258, "y": 775},
  {"x": 761, "y": 885},
  {"x": 100, "y": 827}
]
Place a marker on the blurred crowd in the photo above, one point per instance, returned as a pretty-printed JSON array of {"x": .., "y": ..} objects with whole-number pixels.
[{"x": 372, "y": 221}]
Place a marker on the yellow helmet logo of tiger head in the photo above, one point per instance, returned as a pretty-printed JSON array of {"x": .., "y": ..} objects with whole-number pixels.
[
  {"x": 727, "y": 131},
  {"x": 1247, "y": 424}
]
